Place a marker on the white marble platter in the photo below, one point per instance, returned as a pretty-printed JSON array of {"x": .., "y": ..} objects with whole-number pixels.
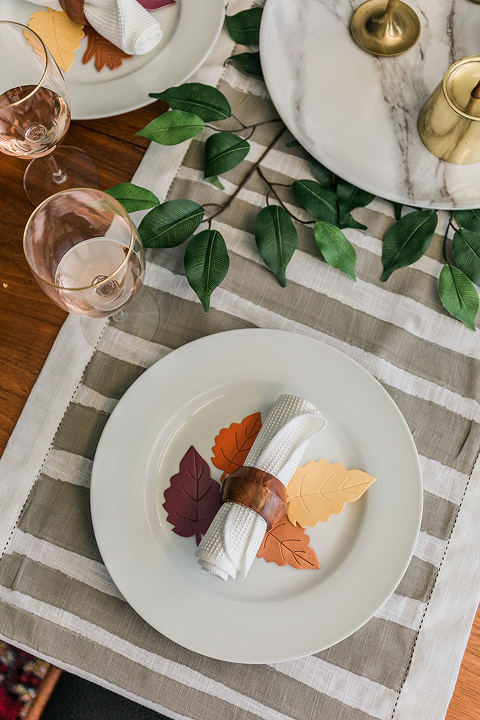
[{"x": 357, "y": 113}]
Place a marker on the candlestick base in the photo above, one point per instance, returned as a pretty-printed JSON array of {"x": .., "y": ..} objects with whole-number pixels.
[{"x": 382, "y": 33}]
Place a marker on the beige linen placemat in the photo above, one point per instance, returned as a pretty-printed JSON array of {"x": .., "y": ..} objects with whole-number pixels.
[{"x": 56, "y": 597}]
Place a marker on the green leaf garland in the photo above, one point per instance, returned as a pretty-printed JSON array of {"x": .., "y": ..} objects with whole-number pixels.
[
  {"x": 335, "y": 247},
  {"x": 458, "y": 295},
  {"x": 170, "y": 224},
  {"x": 244, "y": 26},
  {"x": 206, "y": 264},
  {"x": 205, "y": 101},
  {"x": 276, "y": 239},
  {"x": 223, "y": 151},
  {"x": 173, "y": 127},
  {"x": 133, "y": 197},
  {"x": 350, "y": 197},
  {"x": 469, "y": 219},
  {"x": 466, "y": 251},
  {"x": 249, "y": 62},
  {"x": 407, "y": 240},
  {"x": 320, "y": 201}
]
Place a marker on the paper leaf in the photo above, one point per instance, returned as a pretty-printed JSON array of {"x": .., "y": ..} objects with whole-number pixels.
[
  {"x": 60, "y": 34},
  {"x": 193, "y": 498},
  {"x": 233, "y": 444},
  {"x": 321, "y": 489},
  {"x": 288, "y": 544},
  {"x": 104, "y": 52}
]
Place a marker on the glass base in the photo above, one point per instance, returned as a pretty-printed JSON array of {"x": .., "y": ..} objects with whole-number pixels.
[
  {"x": 78, "y": 171},
  {"x": 136, "y": 324}
]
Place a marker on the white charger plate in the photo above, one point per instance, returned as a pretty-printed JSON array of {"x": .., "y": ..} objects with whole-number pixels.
[
  {"x": 190, "y": 29},
  {"x": 276, "y": 613},
  {"x": 357, "y": 113}
]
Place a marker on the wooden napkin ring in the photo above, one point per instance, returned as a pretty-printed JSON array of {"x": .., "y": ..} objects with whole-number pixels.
[
  {"x": 74, "y": 10},
  {"x": 257, "y": 490}
]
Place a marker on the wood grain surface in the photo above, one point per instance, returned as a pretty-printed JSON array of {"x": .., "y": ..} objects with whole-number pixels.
[{"x": 29, "y": 321}]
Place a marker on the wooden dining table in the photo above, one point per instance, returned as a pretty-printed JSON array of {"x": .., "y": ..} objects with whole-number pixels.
[{"x": 29, "y": 321}]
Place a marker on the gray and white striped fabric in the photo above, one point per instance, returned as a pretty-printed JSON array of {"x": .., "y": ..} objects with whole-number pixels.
[{"x": 56, "y": 597}]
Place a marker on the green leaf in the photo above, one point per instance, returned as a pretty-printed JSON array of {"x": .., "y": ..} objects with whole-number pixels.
[
  {"x": 173, "y": 127},
  {"x": 215, "y": 180},
  {"x": 133, "y": 197},
  {"x": 350, "y": 197},
  {"x": 223, "y": 151},
  {"x": 458, "y": 295},
  {"x": 350, "y": 222},
  {"x": 249, "y": 63},
  {"x": 469, "y": 219},
  {"x": 244, "y": 27},
  {"x": 407, "y": 240},
  {"x": 397, "y": 209},
  {"x": 335, "y": 247},
  {"x": 170, "y": 224},
  {"x": 276, "y": 239},
  {"x": 323, "y": 175},
  {"x": 320, "y": 201},
  {"x": 293, "y": 143},
  {"x": 206, "y": 264},
  {"x": 202, "y": 100},
  {"x": 466, "y": 250}
]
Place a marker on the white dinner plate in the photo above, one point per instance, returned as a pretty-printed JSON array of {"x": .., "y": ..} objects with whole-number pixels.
[
  {"x": 357, "y": 113},
  {"x": 190, "y": 29},
  {"x": 275, "y": 613}
]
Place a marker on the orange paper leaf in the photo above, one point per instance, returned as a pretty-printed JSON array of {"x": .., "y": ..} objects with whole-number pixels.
[
  {"x": 105, "y": 52},
  {"x": 288, "y": 544},
  {"x": 60, "y": 34},
  {"x": 320, "y": 489},
  {"x": 233, "y": 444}
]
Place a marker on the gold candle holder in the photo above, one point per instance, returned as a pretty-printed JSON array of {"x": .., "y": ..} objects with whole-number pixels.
[
  {"x": 384, "y": 27},
  {"x": 449, "y": 122}
]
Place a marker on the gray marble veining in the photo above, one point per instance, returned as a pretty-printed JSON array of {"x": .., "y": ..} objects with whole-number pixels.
[{"x": 358, "y": 113}]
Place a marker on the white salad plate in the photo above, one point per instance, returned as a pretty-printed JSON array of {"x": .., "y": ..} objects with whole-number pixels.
[
  {"x": 357, "y": 113},
  {"x": 275, "y": 613},
  {"x": 190, "y": 29}
]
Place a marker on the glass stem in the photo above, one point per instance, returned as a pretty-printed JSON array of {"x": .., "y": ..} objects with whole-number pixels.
[
  {"x": 58, "y": 176},
  {"x": 120, "y": 316}
]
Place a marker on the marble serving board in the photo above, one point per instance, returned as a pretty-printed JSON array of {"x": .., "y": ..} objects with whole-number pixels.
[{"x": 357, "y": 113}]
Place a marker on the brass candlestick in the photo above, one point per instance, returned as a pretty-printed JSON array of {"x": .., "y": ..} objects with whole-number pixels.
[{"x": 385, "y": 28}]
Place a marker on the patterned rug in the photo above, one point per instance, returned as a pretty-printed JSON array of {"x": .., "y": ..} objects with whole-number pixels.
[{"x": 20, "y": 677}]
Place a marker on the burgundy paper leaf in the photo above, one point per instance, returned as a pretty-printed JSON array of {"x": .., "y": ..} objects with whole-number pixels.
[
  {"x": 193, "y": 498},
  {"x": 155, "y": 4}
]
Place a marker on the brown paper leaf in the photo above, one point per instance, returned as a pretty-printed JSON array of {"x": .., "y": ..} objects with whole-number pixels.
[
  {"x": 60, "y": 34},
  {"x": 105, "y": 52},
  {"x": 233, "y": 444},
  {"x": 321, "y": 489},
  {"x": 288, "y": 544}
]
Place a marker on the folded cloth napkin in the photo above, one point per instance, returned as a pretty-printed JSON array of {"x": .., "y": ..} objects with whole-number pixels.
[
  {"x": 231, "y": 543},
  {"x": 124, "y": 22}
]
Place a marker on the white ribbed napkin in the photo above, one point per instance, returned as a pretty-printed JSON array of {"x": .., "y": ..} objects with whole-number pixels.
[
  {"x": 231, "y": 543},
  {"x": 124, "y": 22}
]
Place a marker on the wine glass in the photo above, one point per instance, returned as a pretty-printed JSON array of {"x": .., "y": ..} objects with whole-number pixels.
[
  {"x": 35, "y": 115},
  {"x": 87, "y": 256}
]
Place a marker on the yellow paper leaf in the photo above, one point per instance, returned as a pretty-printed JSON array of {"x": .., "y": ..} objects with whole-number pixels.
[
  {"x": 321, "y": 489},
  {"x": 60, "y": 35}
]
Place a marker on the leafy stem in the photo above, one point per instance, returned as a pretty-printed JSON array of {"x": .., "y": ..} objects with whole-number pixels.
[
  {"x": 248, "y": 175},
  {"x": 445, "y": 237},
  {"x": 243, "y": 127},
  {"x": 271, "y": 187}
]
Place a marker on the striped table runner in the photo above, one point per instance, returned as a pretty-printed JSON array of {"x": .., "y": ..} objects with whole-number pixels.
[{"x": 56, "y": 597}]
